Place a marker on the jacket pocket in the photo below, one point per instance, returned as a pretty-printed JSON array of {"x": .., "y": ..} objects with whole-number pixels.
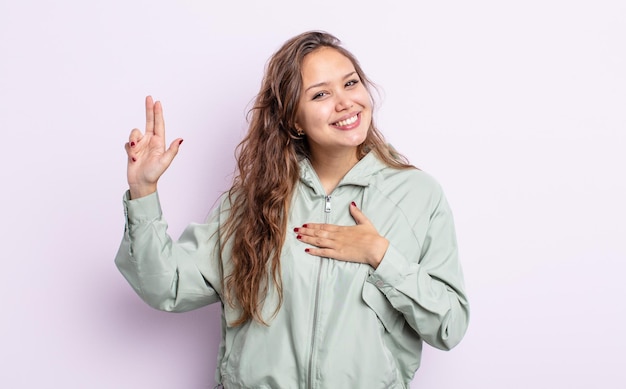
[
  {"x": 402, "y": 341},
  {"x": 391, "y": 319}
]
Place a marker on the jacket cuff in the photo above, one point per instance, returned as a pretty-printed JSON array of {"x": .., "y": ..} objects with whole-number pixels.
[
  {"x": 391, "y": 271},
  {"x": 141, "y": 210}
]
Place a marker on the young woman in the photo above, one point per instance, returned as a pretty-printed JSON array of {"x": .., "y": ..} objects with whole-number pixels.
[{"x": 332, "y": 257}]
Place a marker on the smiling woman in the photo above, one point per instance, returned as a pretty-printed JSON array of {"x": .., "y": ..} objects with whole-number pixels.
[
  {"x": 333, "y": 258},
  {"x": 336, "y": 111}
]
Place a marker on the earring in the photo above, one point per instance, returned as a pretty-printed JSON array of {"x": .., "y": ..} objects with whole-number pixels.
[{"x": 300, "y": 132}]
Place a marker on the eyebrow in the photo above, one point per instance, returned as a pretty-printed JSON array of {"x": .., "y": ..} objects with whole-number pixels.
[{"x": 326, "y": 82}]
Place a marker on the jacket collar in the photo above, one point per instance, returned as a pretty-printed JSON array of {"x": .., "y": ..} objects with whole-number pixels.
[{"x": 361, "y": 174}]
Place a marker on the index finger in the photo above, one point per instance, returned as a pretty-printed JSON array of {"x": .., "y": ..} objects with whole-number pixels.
[
  {"x": 149, "y": 115},
  {"x": 319, "y": 227}
]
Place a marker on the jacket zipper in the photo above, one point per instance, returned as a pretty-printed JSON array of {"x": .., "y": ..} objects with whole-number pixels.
[{"x": 317, "y": 298}]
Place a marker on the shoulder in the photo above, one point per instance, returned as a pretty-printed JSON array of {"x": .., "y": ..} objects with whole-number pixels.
[
  {"x": 404, "y": 199},
  {"x": 407, "y": 181},
  {"x": 220, "y": 209},
  {"x": 414, "y": 193},
  {"x": 389, "y": 179}
]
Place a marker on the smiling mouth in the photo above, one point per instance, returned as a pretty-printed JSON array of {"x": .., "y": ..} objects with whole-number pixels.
[{"x": 347, "y": 122}]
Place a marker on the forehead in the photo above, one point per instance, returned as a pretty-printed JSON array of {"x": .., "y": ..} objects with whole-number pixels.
[{"x": 324, "y": 65}]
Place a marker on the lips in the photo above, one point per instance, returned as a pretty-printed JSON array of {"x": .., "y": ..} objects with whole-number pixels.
[{"x": 349, "y": 123}]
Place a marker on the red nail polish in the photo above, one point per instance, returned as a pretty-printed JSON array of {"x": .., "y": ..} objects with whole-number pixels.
[
  {"x": 296, "y": 229},
  {"x": 134, "y": 159},
  {"x": 132, "y": 144},
  {"x": 299, "y": 237},
  {"x": 181, "y": 142},
  {"x": 353, "y": 204},
  {"x": 306, "y": 250},
  {"x": 305, "y": 225}
]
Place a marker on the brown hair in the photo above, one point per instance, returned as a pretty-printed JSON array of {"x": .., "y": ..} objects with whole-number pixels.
[{"x": 268, "y": 172}]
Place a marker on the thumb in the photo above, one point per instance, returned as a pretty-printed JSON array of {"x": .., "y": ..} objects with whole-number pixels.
[
  {"x": 357, "y": 215},
  {"x": 173, "y": 149}
]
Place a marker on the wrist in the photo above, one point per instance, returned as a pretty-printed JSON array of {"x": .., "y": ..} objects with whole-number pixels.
[
  {"x": 138, "y": 191},
  {"x": 380, "y": 253}
]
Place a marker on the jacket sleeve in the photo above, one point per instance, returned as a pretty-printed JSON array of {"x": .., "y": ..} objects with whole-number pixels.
[
  {"x": 167, "y": 275},
  {"x": 429, "y": 290}
]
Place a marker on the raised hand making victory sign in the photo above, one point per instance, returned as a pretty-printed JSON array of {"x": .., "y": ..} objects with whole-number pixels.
[{"x": 147, "y": 156}]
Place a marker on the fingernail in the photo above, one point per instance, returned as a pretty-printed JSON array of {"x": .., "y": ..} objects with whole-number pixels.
[
  {"x": 134, "y": 159},
  {"x": 296, "y": 229},
  {"x": 181, "y": 142},
  {"x": 299, "y": 237},
  {"x": 132, "y": 144},
  {"x": 304, "y": 225},
  {"x": 306, "y": 250},
  {"x": 353, "y": 204}
]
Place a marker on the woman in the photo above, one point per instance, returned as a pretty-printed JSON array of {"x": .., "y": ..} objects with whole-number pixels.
[{"x": 315, "y": 294}]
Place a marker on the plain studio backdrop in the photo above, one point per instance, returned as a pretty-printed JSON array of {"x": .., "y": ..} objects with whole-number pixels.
[{"x": 516, "y": 107}]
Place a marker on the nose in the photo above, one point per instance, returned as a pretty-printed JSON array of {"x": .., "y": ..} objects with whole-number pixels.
[{"x": 343, "y": 102}]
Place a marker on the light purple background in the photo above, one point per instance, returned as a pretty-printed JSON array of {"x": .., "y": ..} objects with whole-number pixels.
[{"x": 516, "y": 107}]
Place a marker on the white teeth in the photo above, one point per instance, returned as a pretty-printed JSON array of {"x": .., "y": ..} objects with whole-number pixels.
[{"x": 347, "y": 122}]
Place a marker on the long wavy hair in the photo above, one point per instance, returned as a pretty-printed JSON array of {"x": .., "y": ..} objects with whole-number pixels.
[{"x": 268, "y": 171}]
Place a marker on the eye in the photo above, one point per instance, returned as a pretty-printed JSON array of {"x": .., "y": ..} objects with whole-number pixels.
[
  {"x": 352, "y": 83},
  {"x": 319, "y": 95}
]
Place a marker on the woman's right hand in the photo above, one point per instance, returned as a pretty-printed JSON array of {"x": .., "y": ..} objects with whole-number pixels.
[{"x": 147, "y": 157}]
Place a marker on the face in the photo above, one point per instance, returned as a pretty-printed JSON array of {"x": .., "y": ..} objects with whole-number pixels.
[{"x": 335, "y": 109}]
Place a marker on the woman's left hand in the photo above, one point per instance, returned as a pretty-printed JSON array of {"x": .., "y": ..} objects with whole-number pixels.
[{"x": 360, "y": 243}]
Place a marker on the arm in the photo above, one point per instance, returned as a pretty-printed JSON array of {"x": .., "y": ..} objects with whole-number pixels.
[
  {"x": 170, "y": 276},
  {"x": 429, "y": 293}
]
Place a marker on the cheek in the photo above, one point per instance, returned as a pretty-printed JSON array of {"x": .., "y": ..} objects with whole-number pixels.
[
  {"x": 314, "y": 117},
  {"x": 365, "y": 100},
  {"x": 366, "y": 116}
]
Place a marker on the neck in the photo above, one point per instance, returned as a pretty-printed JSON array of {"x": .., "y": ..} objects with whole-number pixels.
[{"x": 331, "y": 168}]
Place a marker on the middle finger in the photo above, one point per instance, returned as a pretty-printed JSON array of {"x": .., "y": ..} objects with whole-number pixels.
[{"x": 319, "y": 231}]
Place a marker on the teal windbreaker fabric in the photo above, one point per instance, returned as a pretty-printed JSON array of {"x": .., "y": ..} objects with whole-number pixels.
[{"x": 341, "y": 324}]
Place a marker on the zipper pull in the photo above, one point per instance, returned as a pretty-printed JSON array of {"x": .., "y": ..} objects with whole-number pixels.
[{"x": 327, "y": 208}]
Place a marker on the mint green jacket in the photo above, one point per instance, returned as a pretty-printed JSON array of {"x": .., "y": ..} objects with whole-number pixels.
[{"x": 341, "y": 324}]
